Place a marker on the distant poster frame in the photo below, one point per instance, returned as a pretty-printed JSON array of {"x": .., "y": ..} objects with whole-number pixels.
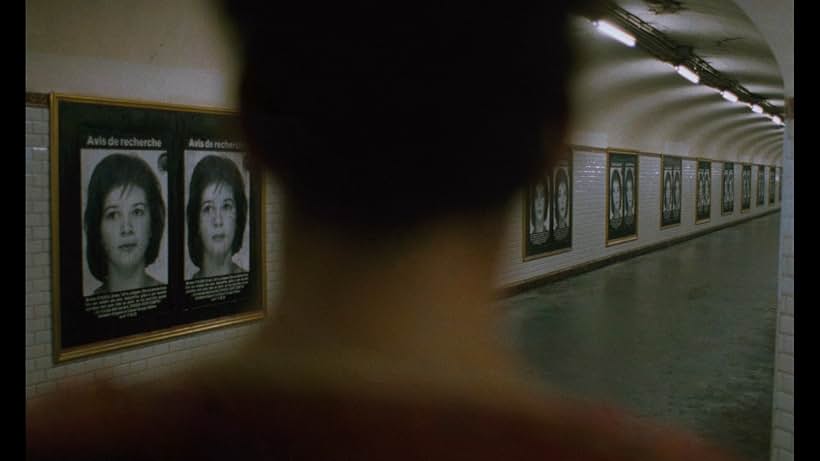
[
  {"x": 621, "y": 203},
  {"x": 761, "y": 186},
  {"x": 119, "y": 227},
  {"x": 779, "y": 185},
  {"x": 703, "y": 191},
  {"x": 727, "y": 190},
  {"x": 547, "y": 213},
  {"x": 671, "y": 191},
  {"x": 746, "y": 188},
  {"x": 772, "y": 184}
]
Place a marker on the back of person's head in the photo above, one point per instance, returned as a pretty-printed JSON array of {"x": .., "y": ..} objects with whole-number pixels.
[{"x": 387, "y": 114}]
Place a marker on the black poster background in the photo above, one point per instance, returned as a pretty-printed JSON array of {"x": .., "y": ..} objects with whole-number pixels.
[
  {"x": 761, "y": 186},
  {"x": 557, "y": 234},
  {"x": 746, "y": 188},
  {"x": 727, "y": 194},
  {"x": 703, "y": 196},
  {"x": 77, "y": 120},
  {"x": 671, "y": 190},
  {"x": 623, "y": 169},
  {"x": 771, "y": 185},
  {"x": 779, "y": 185}
]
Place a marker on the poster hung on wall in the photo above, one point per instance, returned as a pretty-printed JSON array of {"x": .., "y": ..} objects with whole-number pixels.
[
  {"x": 771, "y": 185},
  {"x": 622, "y": 197},
  {"x": 157, "y": 216},
  {"x": 671, "y": 191},
  {"x": 779, "y": 185},
  {"x": 728, "y": 189},
  {"x": 703, "y": 195},
  {"x": 761, "y": 186},
  {"x": 746, "y": 188},
  {"x": 548, "y": 212}
]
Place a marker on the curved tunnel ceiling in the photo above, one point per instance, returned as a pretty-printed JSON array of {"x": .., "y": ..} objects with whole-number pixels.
[{"x": 625, "y": 97}]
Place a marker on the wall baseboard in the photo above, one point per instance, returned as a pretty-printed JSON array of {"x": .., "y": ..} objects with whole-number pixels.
[{"x": 516, "y": 288}]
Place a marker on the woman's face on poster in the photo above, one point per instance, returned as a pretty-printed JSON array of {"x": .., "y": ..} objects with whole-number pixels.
[
  {"x": 217, "y": 219},
  {"x": 562, "y": 198},
  {"x": 667, "y": 196},
  {"x": 126, "y": 227},
  {"x": 628, "y": 194},
  {"x": 540, "y": 202},
  {"x": 616, "y": 194}
]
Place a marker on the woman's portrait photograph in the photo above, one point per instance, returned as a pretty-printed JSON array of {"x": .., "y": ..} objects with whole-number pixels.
[
  {"x": 616, "y": 209},
  {"x": 539, "y": 216},
  {"x": 728, "y": 189},
  {"x": 704, "y": 192},
  {"x": 746, "y": 188},
  {"x": 547, "y": 213},
  {"x": 670, "y": 191},
  {"x": 217, "y": 234},
  {"x": 563, "y": 202},
  {"x": 622, "y": 200},
  {"x": 677, "y": 192},
  {"x": 771, "y": 185},
  {"x": 630, "y": 196},
  {"x": 667, "y": 207},
  {"x": 124, "y": 220}
]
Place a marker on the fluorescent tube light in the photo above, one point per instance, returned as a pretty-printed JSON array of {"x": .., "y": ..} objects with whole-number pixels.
[
  {"x": 728, "y": 95},
  {"x": 607, "y": 28},
  {"x": 777, "y": 120},
  {"x": 687, "y": 73},
  {"x": 757, "y": 109}
]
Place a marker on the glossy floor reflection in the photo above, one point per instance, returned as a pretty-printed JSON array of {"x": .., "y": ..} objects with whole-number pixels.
[{"x": 683, "y": 335}]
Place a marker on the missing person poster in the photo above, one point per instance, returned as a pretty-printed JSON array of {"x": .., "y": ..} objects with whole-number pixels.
[
  {"x": 703, "y": 192},
  {"x": 122, "y": 262},
  {"x": 727, "y": 198},
  {"x": 548, "y": 212},
  {"x": 622, "y": 197},
  {"x": 772, "y": 182},
  {"x": 746, "y": 189},
  {"x": 671, "y": 191}
]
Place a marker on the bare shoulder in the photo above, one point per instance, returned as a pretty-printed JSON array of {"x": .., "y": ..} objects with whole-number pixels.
[{"x": 227, "y": 411}]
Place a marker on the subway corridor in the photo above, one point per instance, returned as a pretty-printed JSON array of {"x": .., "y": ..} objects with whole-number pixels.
[{"x": 684, "y": 335}]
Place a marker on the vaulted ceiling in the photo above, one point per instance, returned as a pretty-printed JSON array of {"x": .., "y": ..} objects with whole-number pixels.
[{"x": 625, "y": 97}]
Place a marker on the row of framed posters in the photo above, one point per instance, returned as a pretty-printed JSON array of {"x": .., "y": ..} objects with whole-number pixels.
[
  {"x": 548, "y": 204},
  {"x": 159, "y": 228}
]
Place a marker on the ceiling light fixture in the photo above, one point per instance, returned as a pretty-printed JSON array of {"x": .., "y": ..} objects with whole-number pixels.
[
  {"x": 607, "y": 28},
  {"x": 687, "y": 73},
  {"x": 757, "y": 109},
  {"x": 728, "y": 95}
]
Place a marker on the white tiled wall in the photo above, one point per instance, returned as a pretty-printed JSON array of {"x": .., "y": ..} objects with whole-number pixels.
[
  {"x": 783, "y": 419},
  {"x": 126, "y": 366},
  {"x": 589, "y": 201},
  {"x": 145, "y": 363}
]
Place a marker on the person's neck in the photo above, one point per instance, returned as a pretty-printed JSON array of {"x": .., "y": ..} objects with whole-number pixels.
[
  {"x": 426, "y": 297},
  {"x": 216, "y": 265},
  {"x": 121, "y": 279}
]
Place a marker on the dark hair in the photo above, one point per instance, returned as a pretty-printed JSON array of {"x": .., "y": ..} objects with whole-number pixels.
[
  {"x": 117, "y": 170},
  {"x": 214, "y": 170},
  {"x": 616, "y": 176},
  {"x": 449, "y": 108}
]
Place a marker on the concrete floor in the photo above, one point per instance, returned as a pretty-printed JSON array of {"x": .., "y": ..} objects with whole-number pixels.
[{"x": 684, "y": 335}]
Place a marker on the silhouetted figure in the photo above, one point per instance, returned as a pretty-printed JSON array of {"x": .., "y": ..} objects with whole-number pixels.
[{"x": 400, "y": 133}]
